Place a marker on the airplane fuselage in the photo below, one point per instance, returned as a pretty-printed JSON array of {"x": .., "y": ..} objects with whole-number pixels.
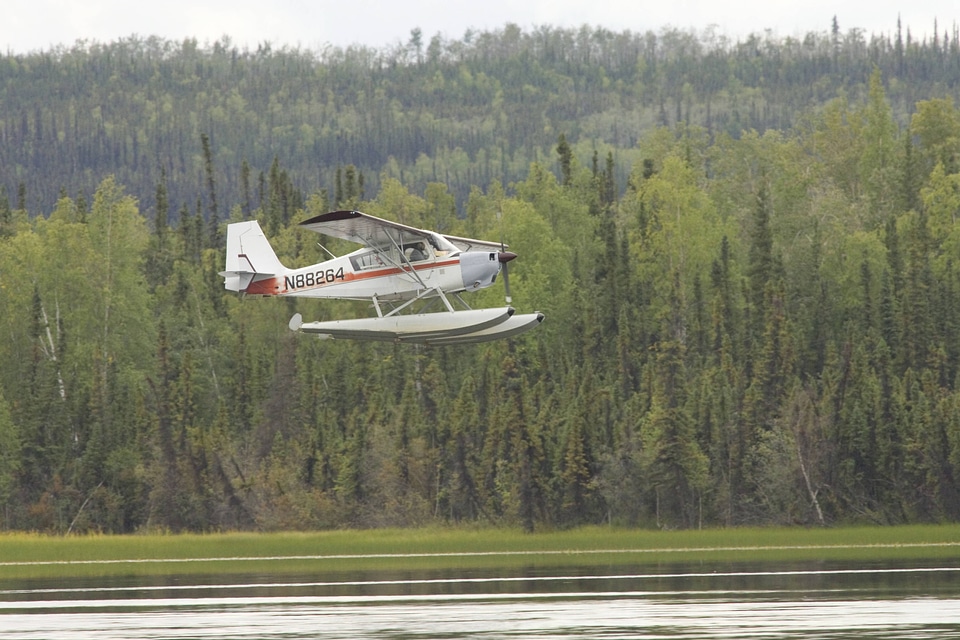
[{"x": 365, "y": 274}]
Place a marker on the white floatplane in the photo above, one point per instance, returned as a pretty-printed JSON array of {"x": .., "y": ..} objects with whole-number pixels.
[{"x": 403, "y": 271}]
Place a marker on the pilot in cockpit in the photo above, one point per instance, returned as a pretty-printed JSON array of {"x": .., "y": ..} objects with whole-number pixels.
[{"x": 414, "y": 252}]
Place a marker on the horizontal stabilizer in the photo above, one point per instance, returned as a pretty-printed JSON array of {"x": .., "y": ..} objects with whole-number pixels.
[{"x": 237, "y": 280}]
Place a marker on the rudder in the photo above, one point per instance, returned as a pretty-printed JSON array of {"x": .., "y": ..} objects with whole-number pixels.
[{"x": 249, "y": 255}]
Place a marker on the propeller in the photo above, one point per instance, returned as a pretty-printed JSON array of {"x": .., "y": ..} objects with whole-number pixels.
[{"x": 504, "y": 257}]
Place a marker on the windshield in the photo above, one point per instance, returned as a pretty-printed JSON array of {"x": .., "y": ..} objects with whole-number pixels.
[{"x": 442, "y": 245}]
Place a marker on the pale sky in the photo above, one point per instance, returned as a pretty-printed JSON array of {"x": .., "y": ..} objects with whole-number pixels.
[{"x": 31, "y": 25}]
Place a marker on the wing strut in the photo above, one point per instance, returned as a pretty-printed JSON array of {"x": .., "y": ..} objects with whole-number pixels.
[{"x": 404, "y": 265}]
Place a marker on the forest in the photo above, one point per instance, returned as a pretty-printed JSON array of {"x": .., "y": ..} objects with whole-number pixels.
[{"x": 747, "y": 253}]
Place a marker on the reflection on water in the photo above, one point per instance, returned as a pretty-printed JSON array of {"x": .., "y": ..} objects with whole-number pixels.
[{"x": 683, "y": 601}]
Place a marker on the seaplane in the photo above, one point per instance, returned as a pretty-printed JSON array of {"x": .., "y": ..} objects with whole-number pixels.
[{"x": 412, "y": 277}]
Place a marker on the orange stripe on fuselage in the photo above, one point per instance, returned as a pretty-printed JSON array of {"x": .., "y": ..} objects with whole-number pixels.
[{"x": 276, "y": 286}]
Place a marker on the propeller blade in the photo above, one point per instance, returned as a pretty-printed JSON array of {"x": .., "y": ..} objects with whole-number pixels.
[{"x": 504, "y": 257}]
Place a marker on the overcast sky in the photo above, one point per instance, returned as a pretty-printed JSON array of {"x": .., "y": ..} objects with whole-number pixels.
[{"x": 30, "y": 25}]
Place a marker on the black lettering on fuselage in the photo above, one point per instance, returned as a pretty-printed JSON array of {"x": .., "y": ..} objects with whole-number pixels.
[{"x": 312, "y": 278}]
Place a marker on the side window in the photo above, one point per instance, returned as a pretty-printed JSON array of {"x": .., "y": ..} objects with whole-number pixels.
[
  {"x": 415, "y": 252},
  {"x": 366, "y": 260}
]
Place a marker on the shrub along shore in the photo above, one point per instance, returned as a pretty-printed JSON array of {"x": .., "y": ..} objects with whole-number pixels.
[{"x": 24, "y": 556}]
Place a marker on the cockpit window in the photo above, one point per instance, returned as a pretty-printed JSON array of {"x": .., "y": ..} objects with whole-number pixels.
[
  {"x": 415, "y": 252},
  {"x": 367, "y": 260},
  {"x": 441, "y": 245}
]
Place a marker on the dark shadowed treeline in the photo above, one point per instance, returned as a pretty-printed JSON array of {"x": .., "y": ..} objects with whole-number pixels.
[
  {"x": 752, "y": 328},
  {"x": 460, "y": 112}
]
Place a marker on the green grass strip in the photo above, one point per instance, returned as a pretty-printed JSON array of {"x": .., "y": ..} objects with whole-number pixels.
[{"x": 38, "y": 556}]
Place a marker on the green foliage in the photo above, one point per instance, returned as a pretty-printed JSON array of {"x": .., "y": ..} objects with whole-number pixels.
[
  {"x": 10, "y": 452},
  {"x": 744, "y": 325},
  {"x": 471, "y": 112},
  {"x": 937, "y": 125}
]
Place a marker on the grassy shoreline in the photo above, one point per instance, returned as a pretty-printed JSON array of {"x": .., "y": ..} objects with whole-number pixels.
[{"x": 24, "y": 556}]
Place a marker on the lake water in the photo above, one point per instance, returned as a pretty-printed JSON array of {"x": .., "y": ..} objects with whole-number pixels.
[{"x": 800, "y": 600}]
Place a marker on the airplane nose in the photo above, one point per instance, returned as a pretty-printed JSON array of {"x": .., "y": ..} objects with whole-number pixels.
[
  {"x": 506, "y": 256},
  {"x": 479, "y": 269}
]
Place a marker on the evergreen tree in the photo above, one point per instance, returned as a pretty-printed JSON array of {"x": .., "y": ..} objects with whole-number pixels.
[
  {"x": 761, "y": 267},
  {"x": 245, "y": 204},
  {"x": 11, "y": 445},
  {"x": 878, "y": 162},
  {"x": 159, "y": 260},
  {"x": 213, "y": 220},
  {"x": 675, "y": 465},
  {"x": 566, "y": 160}
]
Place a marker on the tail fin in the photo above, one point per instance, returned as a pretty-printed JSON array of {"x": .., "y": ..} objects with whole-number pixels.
[{"x": 249, "y": 255}]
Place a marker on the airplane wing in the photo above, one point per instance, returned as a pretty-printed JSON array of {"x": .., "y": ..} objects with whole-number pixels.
[
  {"x": 470, "y": 244},
  {"x": 361, "y": 228},
  {"x": 372, "y": 231}
]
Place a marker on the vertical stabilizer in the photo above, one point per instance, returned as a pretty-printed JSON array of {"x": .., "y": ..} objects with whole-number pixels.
[{"x": 249, "y": 256}]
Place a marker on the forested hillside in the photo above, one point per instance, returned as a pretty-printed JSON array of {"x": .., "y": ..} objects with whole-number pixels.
[
  {"x": 748, "y": 255},
  {"x": 464, "y": 113}
]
